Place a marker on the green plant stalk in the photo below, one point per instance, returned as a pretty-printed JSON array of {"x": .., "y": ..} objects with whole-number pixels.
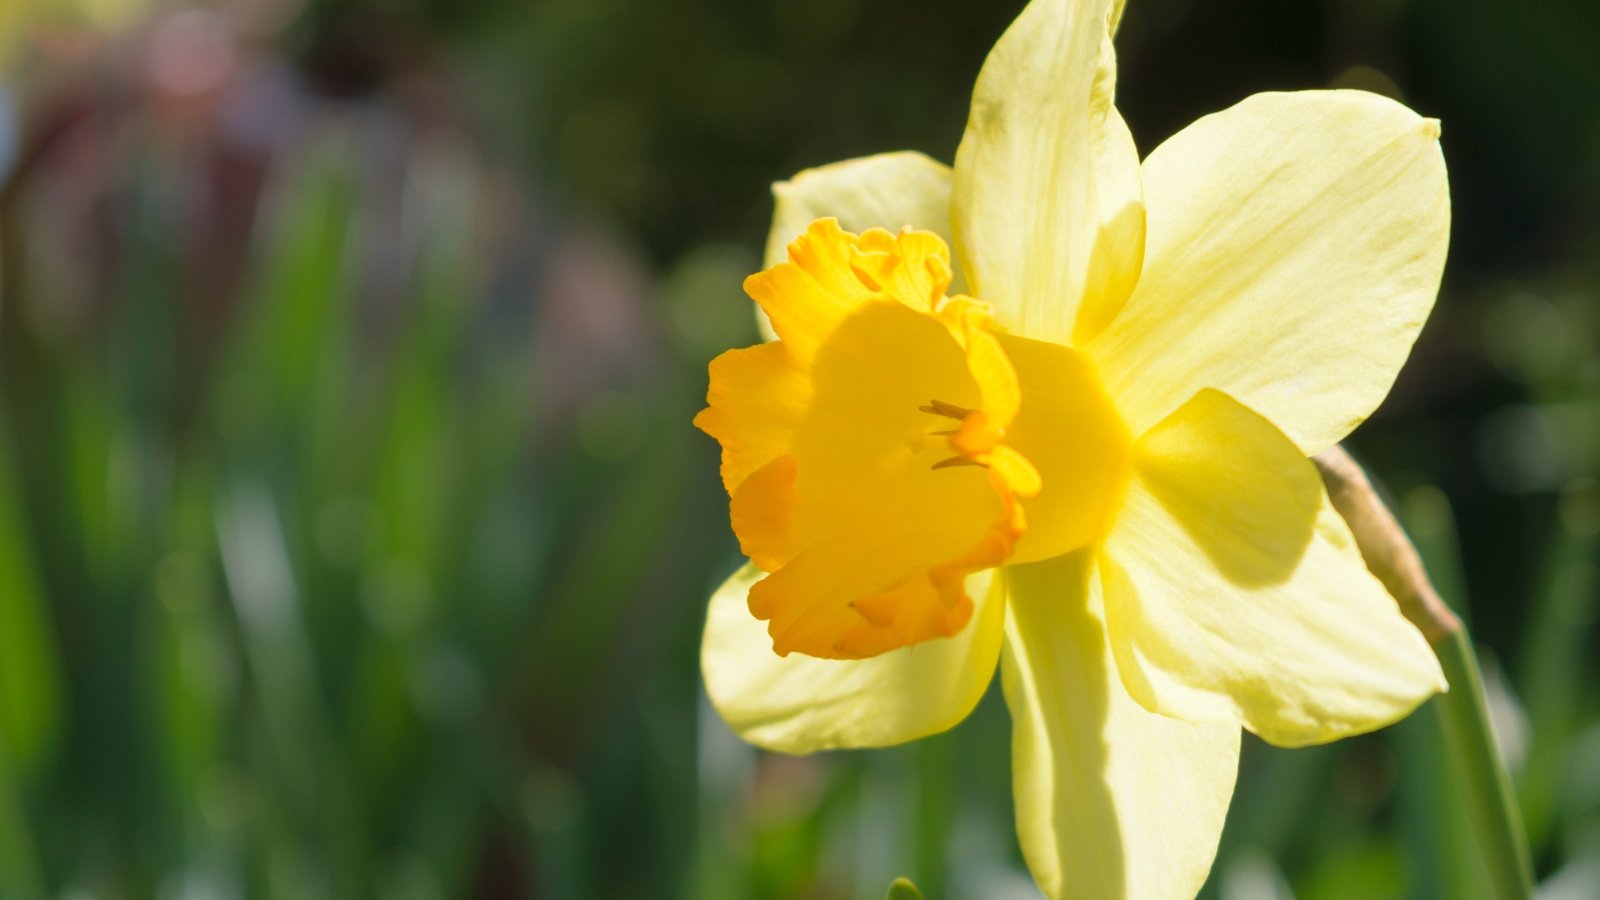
[
  {"x": 1463, "y": 718},
  {"x": 19, "y": 875},
  {"x": 903, "y": 889}
]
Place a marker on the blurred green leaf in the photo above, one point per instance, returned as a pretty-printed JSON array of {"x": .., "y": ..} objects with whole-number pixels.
[
  {"x": 1558, "y": 666},
  {"x": 903, "y": 889},
  {"x": 30, "y": 688},
  {"x": 19, "y": 867}
]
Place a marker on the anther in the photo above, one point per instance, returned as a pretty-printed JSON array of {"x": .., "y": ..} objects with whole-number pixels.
[
  {"x": 948, "y": 410},
  {"x": 954, "y": 461}
]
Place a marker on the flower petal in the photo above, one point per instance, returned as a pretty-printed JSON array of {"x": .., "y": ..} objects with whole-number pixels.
[
  {"x": 861, "y": 593},
  {"x": 756, "y": 398},
  {"x": 1112, "y": 800},
  {"x": 1049, "y": 225},
  {"x": 799, "y": 704},
  {"x": 1068, "y": 430},
  {"x": 1116, "y": 14},
  {"x": 1235, "y": 593},
  {"x": 829, "y": 272},
  {"x": 889, "y": 191},
  {"x": 1294, "y": 250}
]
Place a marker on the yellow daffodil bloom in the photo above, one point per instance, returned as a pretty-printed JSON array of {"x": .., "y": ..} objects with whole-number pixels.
[{"x": 1077, "y": 448}]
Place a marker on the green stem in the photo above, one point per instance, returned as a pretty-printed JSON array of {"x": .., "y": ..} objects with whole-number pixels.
[
  {"x": 903, "y": 889},
  {"x": 1463, "y": 718},
  {"x": 19, "y": 875},
  {"x": 1479, "y": 772}
]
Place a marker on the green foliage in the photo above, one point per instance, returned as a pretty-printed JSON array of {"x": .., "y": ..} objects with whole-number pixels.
[{"x": 903, "y": 889}]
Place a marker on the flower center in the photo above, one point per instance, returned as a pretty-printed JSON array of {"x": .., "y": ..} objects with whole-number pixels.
[
  {"x": 868, "y": 516},
  {"x": 977, "y": 442}
]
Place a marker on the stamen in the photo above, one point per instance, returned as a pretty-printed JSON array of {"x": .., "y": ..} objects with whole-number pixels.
[
  {"x": 958, "y": 461},
  {"x": 948, "y": 410}
]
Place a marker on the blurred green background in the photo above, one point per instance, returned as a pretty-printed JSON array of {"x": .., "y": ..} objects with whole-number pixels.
[{"x": 354, "y": 540}]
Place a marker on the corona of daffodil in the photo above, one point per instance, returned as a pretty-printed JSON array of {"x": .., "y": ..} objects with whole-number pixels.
[{"x": 1076, "y": 447}]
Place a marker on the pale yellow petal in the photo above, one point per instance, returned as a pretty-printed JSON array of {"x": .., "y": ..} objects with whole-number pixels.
[
  {"x": 1118, "y": 250},
  {"x": 799, "y": 704},
  {"x": 889, "y": 191},
  {"x": 1235, "y": 593},
  {"x": 1294, "y": 248},
  {"x": 1113, "y": 801},
  {"x": 1046, "y": 194}
]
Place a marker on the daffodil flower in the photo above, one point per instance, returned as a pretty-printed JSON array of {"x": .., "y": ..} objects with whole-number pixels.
[{"x": 1078, "y": 448}]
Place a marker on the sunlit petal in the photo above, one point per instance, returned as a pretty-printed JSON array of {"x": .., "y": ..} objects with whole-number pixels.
[
  {"x": 799, "y": 704},
  {"x": 1112, "y": 800},
  {"x": 756, "y": 398},
  {"x": 1235, "y": 593},
  {"x": 1046, "y": 203},
  {"x": 889, "y": 191},
  {"x": 1294, "y": 248}
]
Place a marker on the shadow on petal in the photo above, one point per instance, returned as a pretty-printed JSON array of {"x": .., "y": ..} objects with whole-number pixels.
[
  {"x": 1112, "y": 800},
  {"x": 1240, "y": 488}
]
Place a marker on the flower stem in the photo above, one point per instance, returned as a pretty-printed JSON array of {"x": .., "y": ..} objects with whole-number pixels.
[{"x": 1463, "y": 718}]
